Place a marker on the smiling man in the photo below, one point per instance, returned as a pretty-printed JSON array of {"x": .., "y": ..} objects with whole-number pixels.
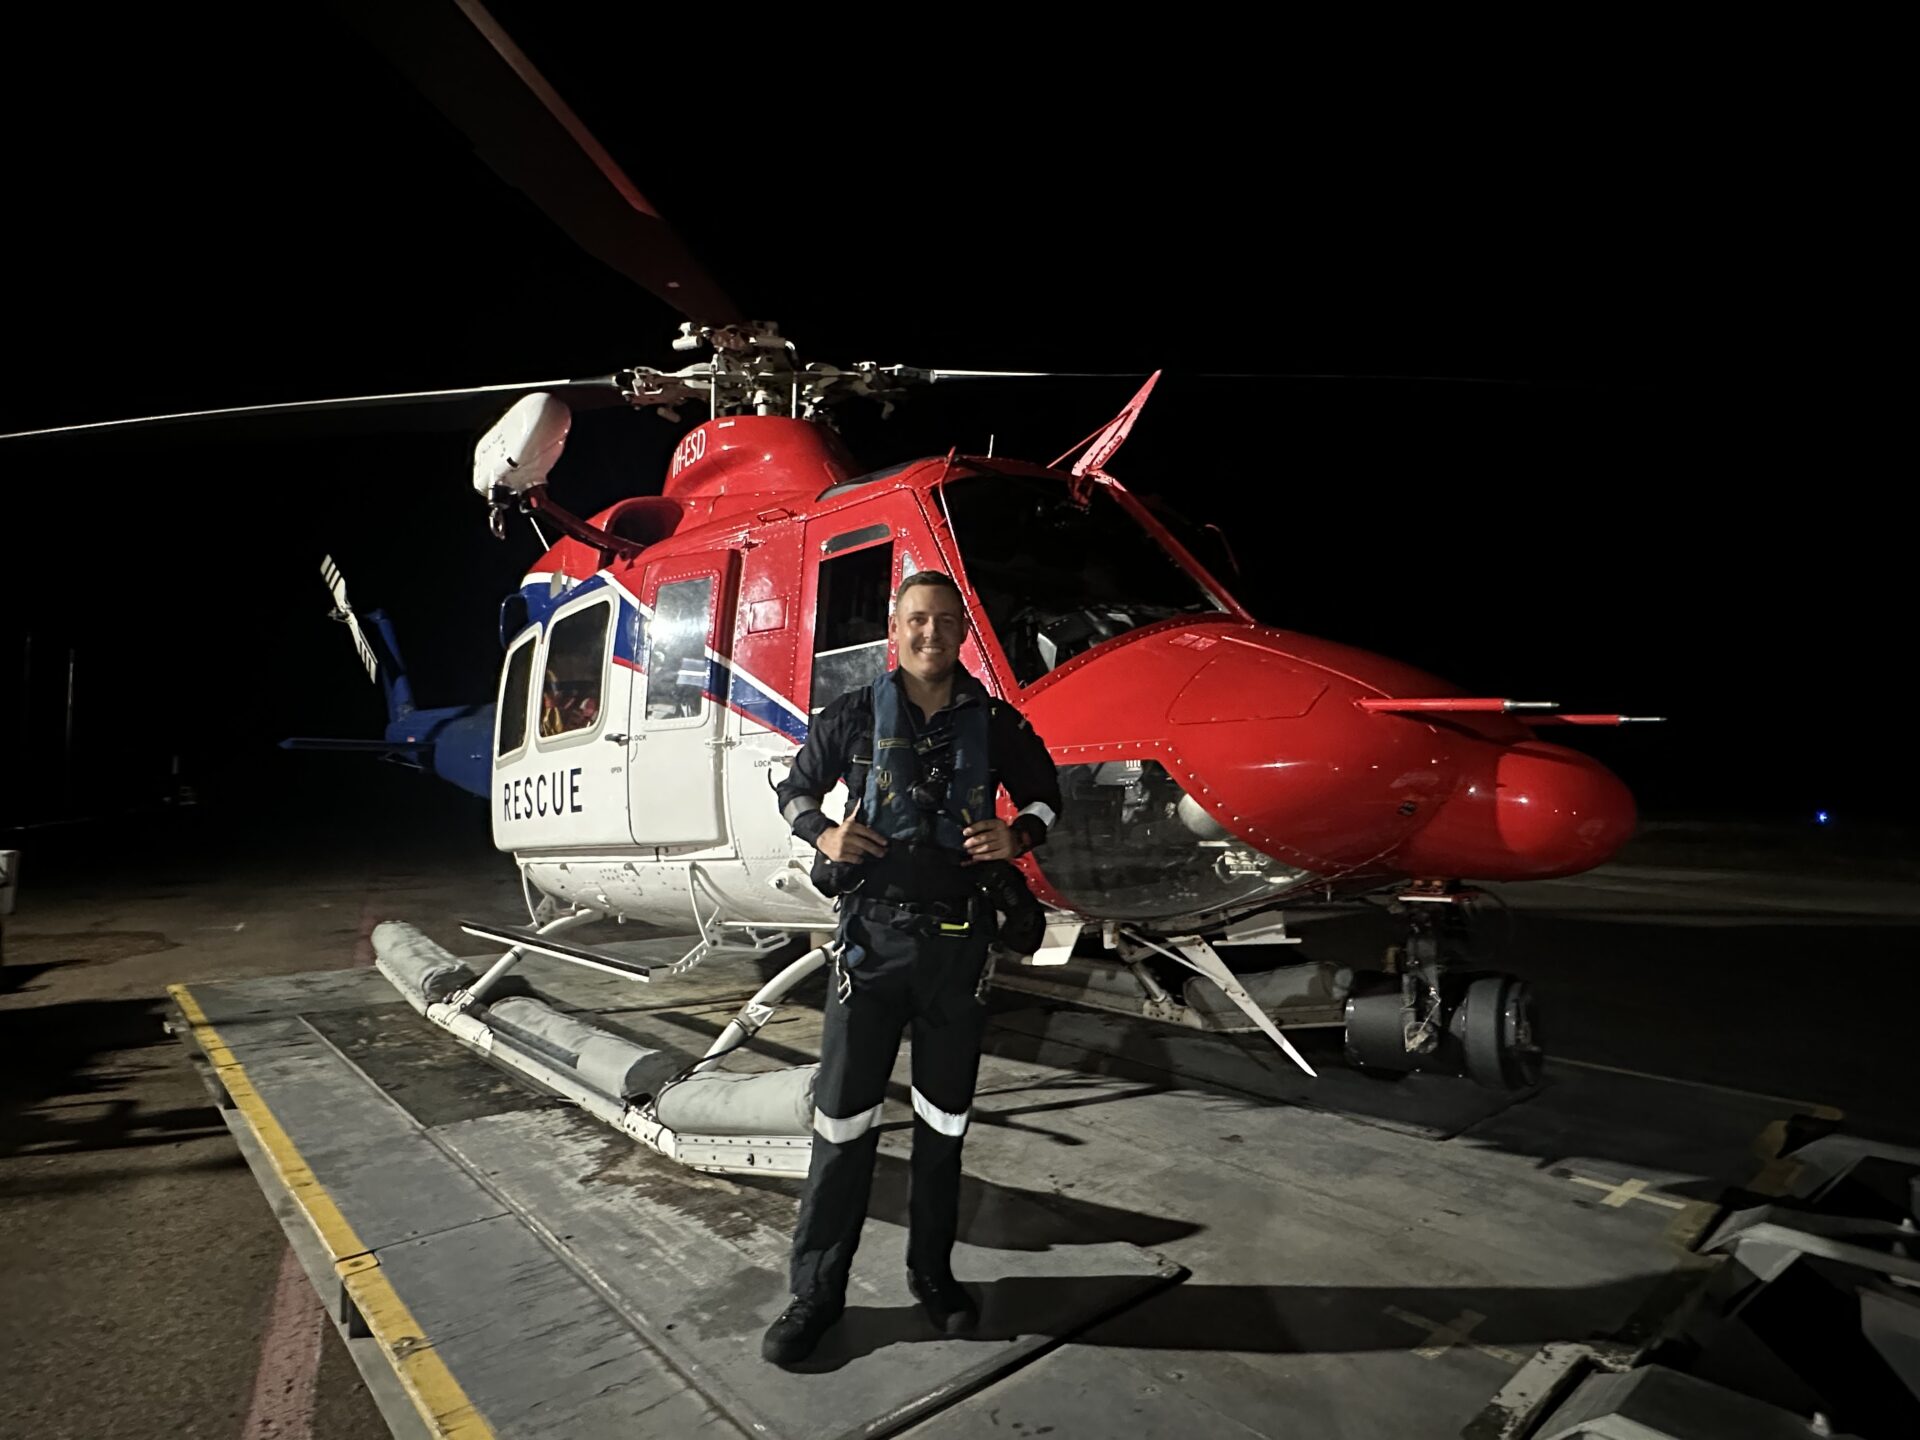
[{"x": 920, "y": 870}]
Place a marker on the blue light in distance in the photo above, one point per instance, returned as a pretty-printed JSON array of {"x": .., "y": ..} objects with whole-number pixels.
[{"x": 1821, "y": 817}]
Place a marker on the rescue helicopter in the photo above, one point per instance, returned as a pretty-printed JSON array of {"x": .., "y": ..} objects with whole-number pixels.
[{"x": 664, "y": 656}]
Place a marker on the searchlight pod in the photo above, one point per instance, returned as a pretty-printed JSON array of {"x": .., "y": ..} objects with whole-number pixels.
[{"x": 724, "y": 1122}]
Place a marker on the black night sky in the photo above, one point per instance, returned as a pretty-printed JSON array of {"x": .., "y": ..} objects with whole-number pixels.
[{"x": 1645, "y": 476}]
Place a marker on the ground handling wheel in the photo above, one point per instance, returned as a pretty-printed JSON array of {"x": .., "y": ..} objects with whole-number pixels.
[
  {"x": 1495, "y": 1023},
  {"x": 1487, "y": 1030}
]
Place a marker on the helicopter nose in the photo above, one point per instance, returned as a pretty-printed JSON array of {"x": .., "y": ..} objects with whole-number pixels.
[
  {"x": 1294, "y": 774},
  {"x": 1534, "y": 812}
]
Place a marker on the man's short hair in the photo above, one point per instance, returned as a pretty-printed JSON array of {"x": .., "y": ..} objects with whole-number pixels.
[{"x": 928, "y": 577}]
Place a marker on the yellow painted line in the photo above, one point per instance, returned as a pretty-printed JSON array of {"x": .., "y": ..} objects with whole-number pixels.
[
  {"x": 308, "y": 1193},
  {"x": 435, "y": 1393},
  {"x": 423, "y": 1374},
  {"x": 1627, "y": 1191},
  {"x": 203, "y": 1033}
]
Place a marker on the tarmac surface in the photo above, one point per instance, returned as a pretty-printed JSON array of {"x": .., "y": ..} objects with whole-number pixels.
[{"x": 148, "y": 1283}]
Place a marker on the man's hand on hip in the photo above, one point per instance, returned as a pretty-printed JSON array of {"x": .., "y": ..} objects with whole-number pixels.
[
  {"x": 851, "y": 842},
  {"x": 992, "y": 839}
]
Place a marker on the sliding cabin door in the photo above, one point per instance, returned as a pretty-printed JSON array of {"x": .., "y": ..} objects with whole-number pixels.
[{"x": 678, "y": 738}]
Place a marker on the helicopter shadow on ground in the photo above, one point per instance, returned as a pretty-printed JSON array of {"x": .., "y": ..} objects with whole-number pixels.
[
  {"x": 767, "y": 1044},
  {"x": 992, "y": 1215},
  {"x": 15, "y": 978},
  {"x": 65, "y": 1070},
  {"x": 1258, "y": 1319},
  {"x": 995, "y": 1216}
]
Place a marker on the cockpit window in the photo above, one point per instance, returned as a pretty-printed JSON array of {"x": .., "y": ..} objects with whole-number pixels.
[{"x": 1056, "y": 577}]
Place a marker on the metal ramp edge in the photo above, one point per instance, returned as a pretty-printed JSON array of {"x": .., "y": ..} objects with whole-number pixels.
[
  {"x": 415, "y": 1393},
  {"x": 554, "y": 1360}
]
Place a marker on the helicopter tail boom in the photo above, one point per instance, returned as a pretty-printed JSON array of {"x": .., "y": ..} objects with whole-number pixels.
[
  {"x": 375, "y": 641},
  {"x": 454, "y": 741}
]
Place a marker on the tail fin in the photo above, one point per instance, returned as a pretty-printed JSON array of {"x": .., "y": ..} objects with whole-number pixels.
[
  {"x": 454, "y": 742},
  {"x": 383, "y": 663}
]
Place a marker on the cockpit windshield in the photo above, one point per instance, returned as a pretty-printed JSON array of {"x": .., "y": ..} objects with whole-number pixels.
[{"x": 1057, "y": 577}]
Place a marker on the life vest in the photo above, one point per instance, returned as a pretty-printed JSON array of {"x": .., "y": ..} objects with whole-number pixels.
[{"x": 890, "y": 807}]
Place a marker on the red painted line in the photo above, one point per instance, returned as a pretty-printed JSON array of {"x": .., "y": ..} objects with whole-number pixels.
[{"x": 283, "y": 1386}]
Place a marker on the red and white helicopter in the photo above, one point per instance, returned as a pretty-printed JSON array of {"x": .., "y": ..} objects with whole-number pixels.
[
  {"x": 664, "y": 656},
  {"x": 1213, "y": 769}
]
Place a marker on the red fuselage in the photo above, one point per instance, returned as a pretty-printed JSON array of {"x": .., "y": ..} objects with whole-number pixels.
[
  {"x": 1261, "y": 726},
  {"x": 1195, "y": 738}
]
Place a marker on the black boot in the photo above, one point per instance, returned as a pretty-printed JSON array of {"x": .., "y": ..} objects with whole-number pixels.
[
  {"x": 792, "y": 1337},
  {"x": 947, "y": 1304}
]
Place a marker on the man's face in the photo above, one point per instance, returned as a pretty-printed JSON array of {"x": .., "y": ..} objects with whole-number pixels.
[{"x": 926, "y": 629}]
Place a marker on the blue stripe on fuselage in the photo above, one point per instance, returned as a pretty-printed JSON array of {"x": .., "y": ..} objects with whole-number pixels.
[
  {"x": 542, "y": 601},
  {"x": 627, "y": 629},
  {"x": 756, "y": 704},
  {"x": 724, "y": 684}
]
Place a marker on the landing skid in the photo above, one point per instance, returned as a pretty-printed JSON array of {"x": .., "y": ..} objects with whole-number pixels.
[
  {"x": 533, "y": 941},
  {"x": 1201, "y": 958},
  {"x": 722, "y": 1123},
  {"x": 1292, "y": 997}
]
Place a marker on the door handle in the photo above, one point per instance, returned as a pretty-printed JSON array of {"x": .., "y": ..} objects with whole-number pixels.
[{"x": 617, "y": 739}]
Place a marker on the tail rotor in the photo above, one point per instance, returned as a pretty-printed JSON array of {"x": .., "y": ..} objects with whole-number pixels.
[{"x": 342, "y": 611}]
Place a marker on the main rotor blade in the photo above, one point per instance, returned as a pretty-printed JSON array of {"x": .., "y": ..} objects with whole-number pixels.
[
  {"x": 914, "y": 372},
  {"x": 471, "y": 70},
  {"x": 1507, "y": 380},
  {"x": 609, "y": 383}
]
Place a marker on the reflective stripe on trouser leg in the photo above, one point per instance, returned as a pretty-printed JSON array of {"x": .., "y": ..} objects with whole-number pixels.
[
  {"x": 841, "y": 1132},
  {"x": 858, "y": 1041},
  {"x": 955, "y": 1125},
  {"x": 946, "y": 1063}
]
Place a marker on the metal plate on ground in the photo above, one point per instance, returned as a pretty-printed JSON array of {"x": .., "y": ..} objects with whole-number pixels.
[
  {"x": 699, "y": 1265},
  {"x": 534, "y": 1349},
  {"x": 231, "y": 1002},
  {"x": 419, "y": 1068}
]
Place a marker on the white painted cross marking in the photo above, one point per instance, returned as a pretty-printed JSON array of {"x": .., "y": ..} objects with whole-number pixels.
[
  {"x": 1458, "y": 1331},
  {"x": 1619, "y": 1195}
]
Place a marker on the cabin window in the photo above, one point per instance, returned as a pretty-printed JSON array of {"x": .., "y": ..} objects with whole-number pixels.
[
  {"x": 576, "y": 668},
  {"x": 677, "y": 650},
  {"x": 853, "y": 539},
  {"x": 1058, "y": 577},
  {"x": 516, "y": 685},
  {"x": 850, "y": 622}
]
